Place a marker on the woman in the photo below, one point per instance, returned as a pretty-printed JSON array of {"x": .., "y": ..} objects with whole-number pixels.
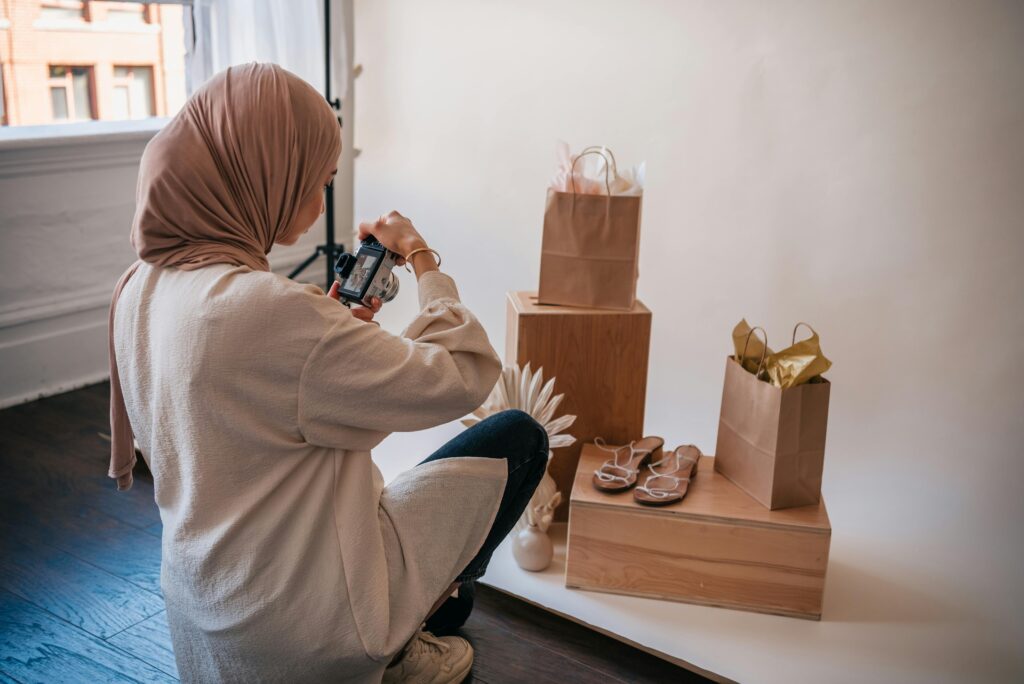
[{"x": 256, "y": 401}]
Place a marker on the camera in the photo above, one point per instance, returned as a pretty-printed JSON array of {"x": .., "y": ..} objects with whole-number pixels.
[{"x": 367, "y": 273}]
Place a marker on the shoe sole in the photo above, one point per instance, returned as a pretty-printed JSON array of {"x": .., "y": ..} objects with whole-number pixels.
[{"x": 462, "y": 675}]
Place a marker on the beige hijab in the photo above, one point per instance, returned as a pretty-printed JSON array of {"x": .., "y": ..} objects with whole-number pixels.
[{"x": 218, "y": 184}]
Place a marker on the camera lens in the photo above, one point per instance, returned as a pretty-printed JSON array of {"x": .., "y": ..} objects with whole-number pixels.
[{"x": 390, "y": 288}]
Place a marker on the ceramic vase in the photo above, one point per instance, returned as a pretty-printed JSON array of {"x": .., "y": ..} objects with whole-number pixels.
[{"x": 532, "y": 548}]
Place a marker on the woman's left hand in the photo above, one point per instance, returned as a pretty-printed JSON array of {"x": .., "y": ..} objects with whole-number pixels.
[{"x": 363, "y": 313}]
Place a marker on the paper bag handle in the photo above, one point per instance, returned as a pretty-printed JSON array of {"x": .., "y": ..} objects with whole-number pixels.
[
  {"x": 764, "y": 351},
  {"x": 590, "y": 150},
  {"x": 797, "y": 327},
  {"x": 604, "y": 150}
]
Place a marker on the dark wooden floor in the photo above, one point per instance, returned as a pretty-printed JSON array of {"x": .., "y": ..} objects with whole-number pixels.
[{"x": 80, "y": 574}]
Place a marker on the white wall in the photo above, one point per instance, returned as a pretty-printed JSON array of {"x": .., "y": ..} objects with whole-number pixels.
[
  {"x": 66, "y": 209},
  {"x": 857, "y": 165}
]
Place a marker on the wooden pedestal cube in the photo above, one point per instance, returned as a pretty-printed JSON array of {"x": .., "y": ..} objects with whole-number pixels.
[
  {"x": 717, "y": 547},
  {"x": 599, "y": 358}
]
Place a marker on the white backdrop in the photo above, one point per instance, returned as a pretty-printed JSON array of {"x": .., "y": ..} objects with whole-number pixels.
[{"x": 857, "y": 165}]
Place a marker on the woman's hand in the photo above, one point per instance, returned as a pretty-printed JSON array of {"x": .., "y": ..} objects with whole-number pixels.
[
  {"x": 395, "y": 232},
  {"x": 363, "y": 313}
]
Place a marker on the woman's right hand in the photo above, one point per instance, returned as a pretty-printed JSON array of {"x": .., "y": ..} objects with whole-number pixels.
[{"x": 395, "y": 232}]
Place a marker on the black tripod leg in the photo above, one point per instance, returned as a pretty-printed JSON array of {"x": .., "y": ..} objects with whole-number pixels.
[{"x": 302, "y": 267}]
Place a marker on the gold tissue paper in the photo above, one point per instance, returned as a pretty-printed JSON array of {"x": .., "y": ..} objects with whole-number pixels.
[{"x": 799, "y": 363}]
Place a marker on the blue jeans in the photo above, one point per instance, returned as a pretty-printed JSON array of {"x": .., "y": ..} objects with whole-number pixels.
[{"x": 523, "y": 443}]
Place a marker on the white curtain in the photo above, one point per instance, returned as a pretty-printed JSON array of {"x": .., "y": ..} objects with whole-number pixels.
[{"x": 220, "y": 33}]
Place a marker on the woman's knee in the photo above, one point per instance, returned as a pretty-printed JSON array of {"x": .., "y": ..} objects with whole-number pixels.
[
  {"x": 514, "y": 417},
  {"x": 522, "y": 424},
  {"x": 535, "y": 458}
]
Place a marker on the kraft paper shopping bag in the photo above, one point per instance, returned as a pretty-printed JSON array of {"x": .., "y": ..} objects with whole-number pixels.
[
  {"x": 771, "y": 441},
  {"x": 590, "y": 248}
]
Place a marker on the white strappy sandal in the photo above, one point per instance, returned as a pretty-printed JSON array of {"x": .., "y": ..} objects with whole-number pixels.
[
  {"x": 683, "y": 468},
  {"x": 618, "y": 473}
]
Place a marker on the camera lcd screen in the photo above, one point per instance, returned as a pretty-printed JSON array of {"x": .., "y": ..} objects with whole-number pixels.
[{"x": 361, "y": 273}]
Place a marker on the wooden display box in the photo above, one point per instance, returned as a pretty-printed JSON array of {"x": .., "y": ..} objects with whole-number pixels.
[
  {"x": 599, "y": 358},
  {"x": 718, "y": 547}
]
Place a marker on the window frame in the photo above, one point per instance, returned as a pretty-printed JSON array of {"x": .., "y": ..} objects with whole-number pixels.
[
  {"x": 20, "y": 135},
  {"x": 117, "y": 81},
  {"x": 144, "y": 11},
  {"x": 3, "y": 98},
  {"x": 69, "y": 90},
  {"x": 81, "y": 5}
]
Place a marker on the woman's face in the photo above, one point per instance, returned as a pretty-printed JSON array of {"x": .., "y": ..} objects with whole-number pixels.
[{"x": 310, "y": 210}]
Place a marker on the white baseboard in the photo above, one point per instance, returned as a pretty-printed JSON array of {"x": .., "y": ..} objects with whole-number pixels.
[
  {"x": 52, "y": 355},
  {"x": 52, "y": 390}
]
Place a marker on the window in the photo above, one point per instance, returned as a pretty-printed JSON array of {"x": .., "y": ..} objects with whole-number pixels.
[
  {"x": 62, "y": 10},
  {"x": 71, "y": 93},
  {"x": 126, "y": 13},
  {"x": 133, "y": 92},
  {"x": 91, "y": 61}
]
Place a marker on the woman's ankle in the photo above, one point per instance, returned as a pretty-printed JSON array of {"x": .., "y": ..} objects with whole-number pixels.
[{"x": 453, "y": 612}]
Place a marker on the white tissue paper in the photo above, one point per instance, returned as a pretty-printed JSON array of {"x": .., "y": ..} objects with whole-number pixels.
[{"x": 589, "y": 176}]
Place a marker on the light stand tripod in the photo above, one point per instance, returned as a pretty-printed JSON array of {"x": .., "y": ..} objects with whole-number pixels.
[{"x": 329, "y": 249}]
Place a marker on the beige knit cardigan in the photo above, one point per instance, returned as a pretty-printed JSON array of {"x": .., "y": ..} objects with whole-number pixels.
[{"x": 256, "y": 401}]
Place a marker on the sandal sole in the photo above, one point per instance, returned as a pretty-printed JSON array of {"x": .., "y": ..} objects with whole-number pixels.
[{"x": 642, "y": 498}]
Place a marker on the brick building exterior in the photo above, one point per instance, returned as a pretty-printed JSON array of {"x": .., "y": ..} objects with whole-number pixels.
[{"x": 65, "y": 60}]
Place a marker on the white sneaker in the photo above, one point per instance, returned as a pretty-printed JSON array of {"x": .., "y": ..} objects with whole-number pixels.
[{"x": 427, "y": 659}]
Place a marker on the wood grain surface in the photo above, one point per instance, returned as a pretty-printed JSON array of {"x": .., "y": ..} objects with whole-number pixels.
[
  {"x": 36, "y": 646},
  {"x": 710, "y": 496},
  {"x": 599, "y": 358},
  {"x": 717, "y": 547},
  {"x": 149, "y": 640}
]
